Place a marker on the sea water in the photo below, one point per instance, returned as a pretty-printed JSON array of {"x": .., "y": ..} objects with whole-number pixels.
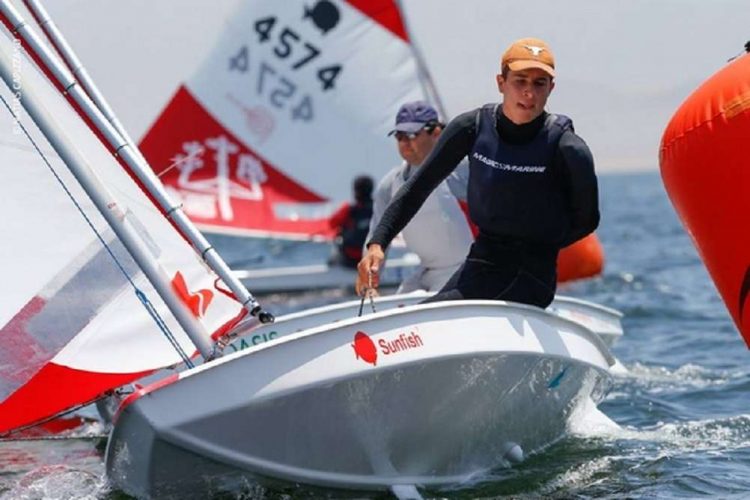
[{"x": 676, "y": 424}]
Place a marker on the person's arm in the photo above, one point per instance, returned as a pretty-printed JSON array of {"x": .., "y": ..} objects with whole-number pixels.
[
  {"x": 454, "y": 143},
  {"x": 581, "y": 185},
  {"x": 380, "y": 199}
]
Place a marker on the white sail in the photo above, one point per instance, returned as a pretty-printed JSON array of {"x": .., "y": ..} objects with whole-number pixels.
[
  {"x": 295, "y": 99},
  {"x": 69, "y": 318}
]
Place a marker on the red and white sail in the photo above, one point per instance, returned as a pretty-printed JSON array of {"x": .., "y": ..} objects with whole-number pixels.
[
  {"x": 295, "y": 99},
  {"x": 71, "y": 325}
]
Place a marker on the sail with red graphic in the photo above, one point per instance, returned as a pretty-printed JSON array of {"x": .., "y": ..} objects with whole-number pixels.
[
  {"x": 77, "y": 315},
  {"x": 295, "y": 99}
]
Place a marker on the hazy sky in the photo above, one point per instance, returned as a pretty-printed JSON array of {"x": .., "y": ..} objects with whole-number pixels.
[{"x": 623, "y": 66}]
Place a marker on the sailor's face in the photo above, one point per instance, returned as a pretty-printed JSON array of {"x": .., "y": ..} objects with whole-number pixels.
[
  {"x": 525, "y": 93},
  {"x": 414, "y": 148}
]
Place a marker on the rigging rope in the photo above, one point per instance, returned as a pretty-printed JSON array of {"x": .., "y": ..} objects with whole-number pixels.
[
  {"x": 141, "y": 296},
  {"x": 368, "y": 292}
]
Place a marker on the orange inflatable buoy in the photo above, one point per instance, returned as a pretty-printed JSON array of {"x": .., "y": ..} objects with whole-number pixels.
[
  {"x": 705, "y": 167},
  {"x": 582, "y": 259}
]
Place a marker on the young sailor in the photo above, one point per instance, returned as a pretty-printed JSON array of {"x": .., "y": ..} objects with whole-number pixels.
[
  {"x": 439, "y": 232},
  {"x": 532, "y": 187}
]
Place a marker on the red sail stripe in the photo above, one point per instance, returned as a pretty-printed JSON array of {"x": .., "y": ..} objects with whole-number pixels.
[
  {"x": 183, "y": 120},
  {"x": 54, "y": 389},
  {"x": 384, "y": 12}
]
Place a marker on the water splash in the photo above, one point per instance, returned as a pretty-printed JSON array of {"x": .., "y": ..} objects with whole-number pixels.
[
  {"x": 713, "y": 434},
  {"x": 57, "y": 482}
]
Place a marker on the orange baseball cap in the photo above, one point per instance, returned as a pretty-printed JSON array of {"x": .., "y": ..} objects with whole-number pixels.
[{"x": 529, "y": 53}]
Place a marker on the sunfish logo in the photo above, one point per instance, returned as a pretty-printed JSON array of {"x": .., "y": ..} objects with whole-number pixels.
[
  {"x": 364, "y": 348},
  {"x": 403, "y": 342},
  {"x": 197, "y": 302}
]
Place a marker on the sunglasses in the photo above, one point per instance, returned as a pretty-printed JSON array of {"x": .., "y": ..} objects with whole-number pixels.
[{"x": 401, "y": 136}]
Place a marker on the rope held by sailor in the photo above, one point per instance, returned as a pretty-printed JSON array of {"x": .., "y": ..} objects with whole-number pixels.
[{"x": 369, "y": 291}]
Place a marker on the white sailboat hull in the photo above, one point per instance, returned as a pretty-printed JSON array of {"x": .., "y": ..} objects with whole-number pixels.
[
  {"x": 603, "y": 321},
  {"x": 467, "y": 383}
]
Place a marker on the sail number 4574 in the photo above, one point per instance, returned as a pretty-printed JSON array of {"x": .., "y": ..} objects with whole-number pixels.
[
  {"x": 287, "y": 43},
  {"x": 280, "y": 89}
]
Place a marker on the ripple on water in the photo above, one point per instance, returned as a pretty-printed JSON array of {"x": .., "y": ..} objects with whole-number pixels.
[{"x": 601, "y": 459}]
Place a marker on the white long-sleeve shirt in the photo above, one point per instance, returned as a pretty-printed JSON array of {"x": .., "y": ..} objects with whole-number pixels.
[{"x": 439, "y": 233}]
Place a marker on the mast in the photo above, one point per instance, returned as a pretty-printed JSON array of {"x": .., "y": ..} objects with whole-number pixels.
[
  {"x": 111, "y": 210},
  {"x": 134, "y": 160},
  {"x": 69, "y": 57},
  {"x": 424, "y": 74}
]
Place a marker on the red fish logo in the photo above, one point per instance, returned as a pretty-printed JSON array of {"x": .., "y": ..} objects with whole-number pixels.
[
  {"x": 198, "y": 302},
  {"x": 364, "y": 348}
]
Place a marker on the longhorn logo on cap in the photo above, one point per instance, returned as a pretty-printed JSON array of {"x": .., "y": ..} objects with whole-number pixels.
[{"x": 535, "y": 51}]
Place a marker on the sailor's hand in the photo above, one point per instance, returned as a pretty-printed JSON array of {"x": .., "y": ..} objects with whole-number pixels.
[{"x": 368, "y": 269}]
